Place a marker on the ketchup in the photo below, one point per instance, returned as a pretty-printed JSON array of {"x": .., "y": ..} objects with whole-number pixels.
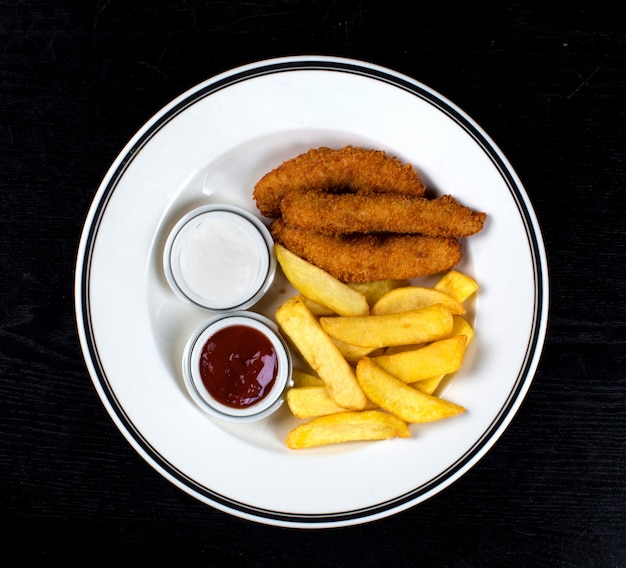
[{"x": 238, "y": 366}]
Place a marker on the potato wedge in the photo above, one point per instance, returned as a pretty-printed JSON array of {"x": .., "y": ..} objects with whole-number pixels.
[
  {"x": 318, "y": 350},
  {"x": 319, "y": 286},
  {"x": 413, "y": 298},
  {"x": 373, "y": 291},
  {"x": 400, "y": 348},
  {"x": 428, "y": 386},
  {"x": 437, "y": 358},
  {"x": 457, "y": 285},
  {"x": 317, "y": 309},
  {"x": 347, "y": 427},
  {"x": 313, "y": 401},
  {"x": 415, "y": 326},
  {"x": 402, "y": 400},
  {"x": 352, "y": 353},
  {"x": 460, "y": 326},
  {"x": 303, "y": 379}
]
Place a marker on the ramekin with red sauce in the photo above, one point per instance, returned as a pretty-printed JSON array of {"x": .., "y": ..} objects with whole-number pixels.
[{"x": 237, "y": 366}]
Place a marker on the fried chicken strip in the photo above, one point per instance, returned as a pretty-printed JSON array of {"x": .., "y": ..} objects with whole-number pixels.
[
  {"x": 347, "y": 169},
  {"x": 380, "y": 212},
  {"x": 365, "y": 258}
]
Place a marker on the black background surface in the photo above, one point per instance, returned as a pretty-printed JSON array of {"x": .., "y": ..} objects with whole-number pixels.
[{"x": 546, "y": 80}]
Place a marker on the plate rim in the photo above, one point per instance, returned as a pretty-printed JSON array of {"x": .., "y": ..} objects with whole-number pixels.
[{"x": 375, "y": 72}]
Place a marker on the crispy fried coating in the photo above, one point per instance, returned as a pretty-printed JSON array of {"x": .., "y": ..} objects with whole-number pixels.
[
  {"x": 365, "y": 258},
  {"x": 349, "y": 169},
  {"x": 333, "y": 214}
]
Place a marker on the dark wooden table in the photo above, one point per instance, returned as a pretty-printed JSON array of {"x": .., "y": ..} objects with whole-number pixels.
[{"x": 547, "y": 82}]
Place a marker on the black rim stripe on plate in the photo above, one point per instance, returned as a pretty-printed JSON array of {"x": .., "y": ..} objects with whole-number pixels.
[{"x": 516, "y": 192}]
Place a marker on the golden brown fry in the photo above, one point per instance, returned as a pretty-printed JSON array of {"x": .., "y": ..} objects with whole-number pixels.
[
  {"x": 319, "y": 286},
  {"x": 364, "y": 258},
  {"x": 347, "y": 169},
  {"x": 457, "y": 285},
  {"x": 335, "y": 214},
  {"x": 318, "y": 350},
  {"x": 402, "y": 400},
  {"x": 437, "y": 358},
  {"x": 416, "y": 326},
  {"x": 413, "y": 298},
  {"x": 347, "y": 427},
  {"x": 303, "y": 379},
  {"x": 352, "y": 353},
  {"x": 313, "y": 401},
  {"x": 375, "y": 290},
  {"x": 461, "y": 326},
  {"x": 316, "y": 308},
  {"x": 428, "y": 386}
]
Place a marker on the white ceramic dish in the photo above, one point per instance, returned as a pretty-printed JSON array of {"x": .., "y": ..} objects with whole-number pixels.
[
  {"x": 211, "y": 145},
  {"x": 219, "y": 272},
  {"x": 193, "y": 378}
]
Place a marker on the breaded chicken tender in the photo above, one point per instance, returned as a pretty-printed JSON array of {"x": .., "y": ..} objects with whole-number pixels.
[
  {"x": 380, "y": 212},
  {"x": 349, "y": 169},
  {"x": 365, "y": 258}
]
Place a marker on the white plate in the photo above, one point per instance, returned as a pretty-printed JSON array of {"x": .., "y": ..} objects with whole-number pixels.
[{"x": 212, "y": 144}]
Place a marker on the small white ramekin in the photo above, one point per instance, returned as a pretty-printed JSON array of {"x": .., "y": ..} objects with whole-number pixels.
[
  {"x": 193, "y": 380},
  {"x": 257, "y": 246}
]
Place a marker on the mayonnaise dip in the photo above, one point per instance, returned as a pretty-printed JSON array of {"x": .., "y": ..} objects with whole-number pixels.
[{"x": 219, "y": 259}]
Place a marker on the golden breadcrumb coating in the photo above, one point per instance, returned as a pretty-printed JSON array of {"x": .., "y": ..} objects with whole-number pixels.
[
  {"x": 369, "y": 257},
  {"x": 349, "y": 169},
  {"x": 380, "y": 212}
]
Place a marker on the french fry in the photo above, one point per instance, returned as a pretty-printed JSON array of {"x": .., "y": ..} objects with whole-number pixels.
[
  {"x": 428, "y": 386},
  {"x": 303, "y": 379},
  {"x": 457, "y": 285},
  {"x": 415, "y": 326},
  {"x": 373, "y": 291},
  {"x": 402, "y": 400},
  {"x": 318, "y": 350},
  {"x": 347, "y": 427},
  {"x": 352, "y": 353},
  {"x": 319, "y": 286},
  {"x": 401, "y": 348},
  {"x": 413, "y": 298},
  {"x": 317, "y": 309},
  {"x": 460, "y": 326},
  {"x": 437, "y": 358},
  {"x": 422, "y": 331},
  {"x": 313, "y": 401}
]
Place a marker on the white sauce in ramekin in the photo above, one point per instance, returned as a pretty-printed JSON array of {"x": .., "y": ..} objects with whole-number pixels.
[{"x": 219, "y": 258}]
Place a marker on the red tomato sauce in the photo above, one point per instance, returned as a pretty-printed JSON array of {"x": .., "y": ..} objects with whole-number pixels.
[{"x": 238, "y": 366}]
